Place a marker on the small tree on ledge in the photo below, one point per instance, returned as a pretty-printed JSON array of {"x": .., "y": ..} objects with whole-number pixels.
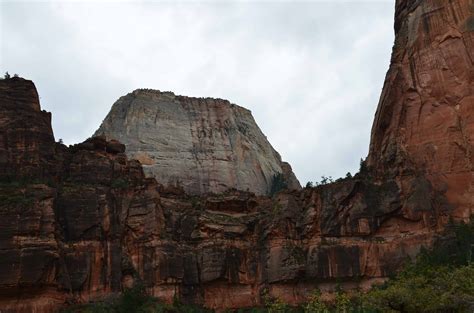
[{"x": 278, "y": 183}]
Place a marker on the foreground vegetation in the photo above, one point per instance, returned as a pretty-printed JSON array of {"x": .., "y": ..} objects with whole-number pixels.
[
  {"x": 136, "y": 300},
  {"x": 441, "y": 280}
]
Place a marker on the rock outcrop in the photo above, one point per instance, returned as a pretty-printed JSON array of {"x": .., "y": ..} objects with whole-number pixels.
[
  {"x": 202, "y": 144},
  {"x": 26, "y": 136},
  {"x": 91, "y": 223},
  {"x": 425, "y": 115}
]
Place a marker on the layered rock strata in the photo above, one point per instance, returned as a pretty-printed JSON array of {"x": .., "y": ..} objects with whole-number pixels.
[
  {"x": 26, "y": 138},
  {"x": 202, "y": 144},
  {"x": 93, "y": 224}
]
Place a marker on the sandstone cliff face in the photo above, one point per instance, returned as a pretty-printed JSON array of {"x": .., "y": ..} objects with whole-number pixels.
[
  {"x": 94, "y": 224},
  {"x": 26, "y": 137},
  {"x": 203, "y": 144},
  {"x": 425, "y": 115}
]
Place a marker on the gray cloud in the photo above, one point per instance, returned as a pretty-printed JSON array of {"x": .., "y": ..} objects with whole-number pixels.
[{"x": 311, "y": 72}]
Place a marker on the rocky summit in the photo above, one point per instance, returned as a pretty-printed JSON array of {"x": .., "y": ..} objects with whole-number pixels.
[
  {"x": 81, "y": 223},
  {"x": 201, "y": 144}
]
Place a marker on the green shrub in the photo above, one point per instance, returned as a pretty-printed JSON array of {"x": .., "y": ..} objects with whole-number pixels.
[
  {"x": 439, "y": 289},
  {"x": 343, "y": 302},
  {"x": 13, "y": 193},
  {"x": 274, "y": 304},
  {"x": 441, "y": 279},
  {"x": 119, "y": 183},
  {"x": 363, "y": 166},
  {"x": 315, "y": 304},
  {"x": 278, "y": 183},
  {"x": 136, "y": 300}
]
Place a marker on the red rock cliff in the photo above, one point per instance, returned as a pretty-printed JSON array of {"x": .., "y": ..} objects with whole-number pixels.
[
  {"x": 26, "y": 136},
  {"x": 92, "y": 224},
  {"x": 425, "y": 114}
]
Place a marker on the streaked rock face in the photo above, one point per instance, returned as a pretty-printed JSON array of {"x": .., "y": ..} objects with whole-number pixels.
[
  {"x": 26, "y": 136},
  {"x": 202, "y": 144},
  {"x": 426, "y": 111},
  {"x": 92, "y": 224}
]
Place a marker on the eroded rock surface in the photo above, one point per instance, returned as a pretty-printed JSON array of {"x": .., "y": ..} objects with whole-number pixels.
[
  {"x": 26, "y": 136},
  {"x": 425, "y": 114},
  {"x": 202, "y": 144},
  {"x": 92, "y": 223}
]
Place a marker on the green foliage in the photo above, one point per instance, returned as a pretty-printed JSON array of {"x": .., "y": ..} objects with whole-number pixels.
[
  {"x": 132, "y": 300},
  {"x": 315, "y": 304},
  {"x": 441, "y": 280},
  {"x": 297, "y": 254},
  {"x": 135, "y": 300},
  {"x": 436, "y": 289},
  {"x": 273, "y": 304},
  {"x": 15, "y": 198},
  {"x": 195, "y": 202},
  {"x": 278, "y": 183},
  {"x": 379, "y": 239},
  {"x": 8, "y": 76},
  {"x": 343, "y": 302},
  {"x": 15, "y": 193},
  {"x": 456, "y": 248},
  {"x": 276, "y": 209},
  {"x": 252, "y": 310},
  {"x": 326, "y": 180},
  {"x": 119, "y": 183},
  {"x": 363, "y": 166},
  {"x": 179, "y": 307}
]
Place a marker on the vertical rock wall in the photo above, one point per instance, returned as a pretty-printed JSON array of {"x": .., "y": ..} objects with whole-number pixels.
[{"x": 425, "y": 116}]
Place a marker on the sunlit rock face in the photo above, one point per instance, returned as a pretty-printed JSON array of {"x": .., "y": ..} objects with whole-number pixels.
[
  {"x": 202, "y": 144},
  {"x": 81, "y": 223}
]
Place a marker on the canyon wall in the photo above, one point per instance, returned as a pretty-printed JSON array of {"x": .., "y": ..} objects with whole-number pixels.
[
  {"x": 202, "y": 144},
  {"x": 81, "y": 223},
  {"x": 425, "y": 114}
]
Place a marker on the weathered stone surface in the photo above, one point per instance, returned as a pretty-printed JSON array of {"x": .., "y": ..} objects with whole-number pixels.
[
  {"x": 26, "y": 137},
  {"x": 425, "y": 114},
  {"x": 203, "y": 144},
  {"x": 92, "y": 223}
]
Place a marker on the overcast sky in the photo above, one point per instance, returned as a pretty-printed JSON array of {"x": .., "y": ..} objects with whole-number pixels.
[{"x": 311, "y": 72}]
